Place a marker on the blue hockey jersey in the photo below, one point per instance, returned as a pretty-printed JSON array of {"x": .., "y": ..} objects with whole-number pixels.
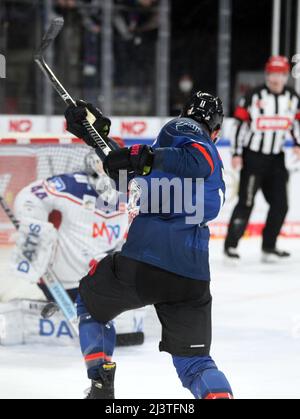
[{"x": 162, "y": 235}]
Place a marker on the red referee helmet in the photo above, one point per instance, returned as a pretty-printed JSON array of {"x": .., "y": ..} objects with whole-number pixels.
[{"x": 278, "y": 64}]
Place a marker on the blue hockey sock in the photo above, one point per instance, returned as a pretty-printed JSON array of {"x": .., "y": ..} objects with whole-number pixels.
[
  {"x": 97, "y": 340},
  {"x": 201, "y": 376}
]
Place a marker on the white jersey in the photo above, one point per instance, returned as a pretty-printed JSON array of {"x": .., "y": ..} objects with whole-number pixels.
[
  {"x": 265, "y": 120},
  {"x": 85, "y": 231}
]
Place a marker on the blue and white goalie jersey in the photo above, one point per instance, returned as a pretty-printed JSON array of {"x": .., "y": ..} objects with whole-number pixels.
[{"x": 87, "y": 230}]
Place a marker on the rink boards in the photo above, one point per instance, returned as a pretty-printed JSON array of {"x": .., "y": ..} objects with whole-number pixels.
[{"x": 23, "y": 129}]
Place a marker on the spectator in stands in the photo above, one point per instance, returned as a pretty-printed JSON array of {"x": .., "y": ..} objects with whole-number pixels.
[
  {"x": 91, "y": 16},
  {"x": 184, "y": 90},
  {"x": 62, "y": 6},
  {"x": 136, "y": 23}
]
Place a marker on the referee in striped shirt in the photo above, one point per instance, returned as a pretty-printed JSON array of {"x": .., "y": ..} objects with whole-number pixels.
[{"x": 265, "y": 118}]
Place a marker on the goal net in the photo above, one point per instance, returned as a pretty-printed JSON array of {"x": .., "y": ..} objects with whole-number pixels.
[{"x": 23, "y": 161}]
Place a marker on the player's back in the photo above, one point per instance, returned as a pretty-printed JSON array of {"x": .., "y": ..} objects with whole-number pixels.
[{"x": 171, "y": 231}]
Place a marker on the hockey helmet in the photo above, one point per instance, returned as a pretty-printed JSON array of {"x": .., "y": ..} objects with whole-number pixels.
[
  {"x": 205, "y": 109},
  {"x": 278, "y": 64},
  {"x": 99, "y": 180}
]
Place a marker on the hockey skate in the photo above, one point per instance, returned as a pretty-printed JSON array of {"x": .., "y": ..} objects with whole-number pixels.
[
  {"x": 274, "y": 255},
  {"x": 103, "y": 389},
  {"x": 232, "y": 253},
  {"x": 232, "y": 256}
]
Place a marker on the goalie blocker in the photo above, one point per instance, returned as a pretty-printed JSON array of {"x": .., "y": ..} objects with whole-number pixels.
[{"x": 34, "y": 250}]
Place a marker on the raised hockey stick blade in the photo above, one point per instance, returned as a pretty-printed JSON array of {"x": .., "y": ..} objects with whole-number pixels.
[
  {"x": 53, "y": 284},
  {"x": 55, "y": 28}
]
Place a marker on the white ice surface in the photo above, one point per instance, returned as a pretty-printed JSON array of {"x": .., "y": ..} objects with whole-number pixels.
[{"x": 256, "y": 341}]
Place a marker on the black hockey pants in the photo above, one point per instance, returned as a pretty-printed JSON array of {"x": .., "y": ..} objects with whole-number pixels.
[{"x": 269, "y": 174}]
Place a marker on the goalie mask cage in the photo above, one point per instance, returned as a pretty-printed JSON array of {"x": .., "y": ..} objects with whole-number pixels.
[{"x": 25, "y": 160}]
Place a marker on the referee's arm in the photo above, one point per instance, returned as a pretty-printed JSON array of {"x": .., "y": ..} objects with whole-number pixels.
[{"x": 242, "y": 121}]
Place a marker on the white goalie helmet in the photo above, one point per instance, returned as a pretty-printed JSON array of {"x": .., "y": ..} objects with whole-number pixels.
[{"x": 98, "y": 179}]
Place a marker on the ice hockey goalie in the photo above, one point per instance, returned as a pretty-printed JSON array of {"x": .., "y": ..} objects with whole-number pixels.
[{"x": 90, "y": 221}]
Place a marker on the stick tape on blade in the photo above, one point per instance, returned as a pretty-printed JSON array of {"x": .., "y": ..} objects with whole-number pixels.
[{"x": 53, "y": 31}]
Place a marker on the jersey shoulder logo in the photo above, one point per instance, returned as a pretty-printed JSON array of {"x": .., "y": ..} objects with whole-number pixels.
[
  {"x": 56, "y": 184},
  {"x": 186, "y": 126}
]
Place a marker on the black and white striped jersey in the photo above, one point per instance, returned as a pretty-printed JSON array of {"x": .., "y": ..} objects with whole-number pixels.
[{"x": 265, "y": 120}]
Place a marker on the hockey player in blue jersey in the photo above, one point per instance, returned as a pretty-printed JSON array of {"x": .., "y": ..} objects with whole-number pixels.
[{"x": 165, "y": 261}]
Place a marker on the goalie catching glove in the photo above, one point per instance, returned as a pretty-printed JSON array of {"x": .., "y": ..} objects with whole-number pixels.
[
  {"x": 34, "y": 250},
  {"x": 75, "y": 115},
  {"x": 137, "y": 160}
]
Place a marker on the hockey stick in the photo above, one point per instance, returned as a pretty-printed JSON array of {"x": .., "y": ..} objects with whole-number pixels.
[
  {"x": 9, "y": 213},
  {"x": 54, "y": 286},
  {"x": 55, "y": 28}
]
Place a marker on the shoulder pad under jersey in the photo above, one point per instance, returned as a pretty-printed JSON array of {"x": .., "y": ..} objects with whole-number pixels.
[
  {"x": 179, "y": 132},
  {"x": 76, "y": 184}
]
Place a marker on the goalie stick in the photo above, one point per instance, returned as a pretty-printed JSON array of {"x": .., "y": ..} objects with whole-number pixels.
[
  {"x": 9, "y": 213},
  {"x": 53, "y": 31},
  {"x": 54, "y": 286}
]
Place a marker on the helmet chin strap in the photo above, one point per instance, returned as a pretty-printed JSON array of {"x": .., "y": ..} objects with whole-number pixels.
[{"x": 215, "y": 136}]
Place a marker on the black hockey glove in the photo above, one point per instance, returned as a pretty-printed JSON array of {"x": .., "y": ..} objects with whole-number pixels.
[
  {"x": 137, "y": 160},
  {"x": 75, "y": 115}
]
